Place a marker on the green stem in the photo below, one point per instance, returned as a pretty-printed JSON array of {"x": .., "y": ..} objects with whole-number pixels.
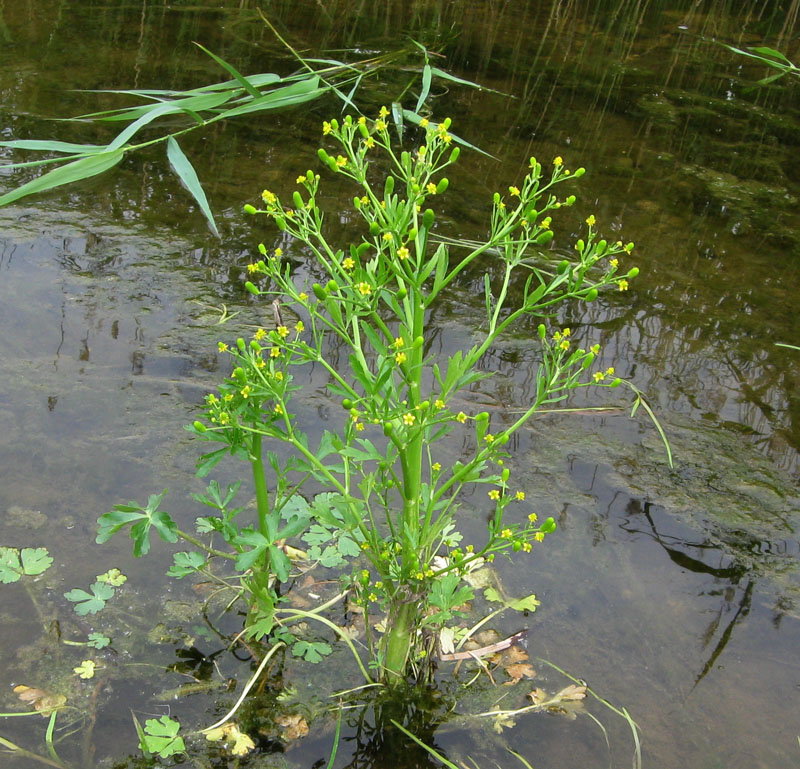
[
  {"x": 399, "y": 641},
  {"x": 260, "y": 482}
]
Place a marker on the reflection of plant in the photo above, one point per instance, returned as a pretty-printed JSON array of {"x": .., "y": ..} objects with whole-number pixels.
[{"x": 771, "y": 58}]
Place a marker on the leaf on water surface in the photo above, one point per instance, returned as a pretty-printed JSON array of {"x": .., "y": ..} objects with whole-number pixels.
[
  {"x": 85, "y": 669},
  {"x": 572, "y": 692},
  {"x": 160, "y": 736},
  {"x": 30, "y": 561},
  {"x": 242, "y": 744},
  {"x": 43, "y": 701},
  {"x": 113, "y": 577},
  {"x": 294, "y": 726},
  {"x": 98, "y": 640},
  {"x": 311, "y": 651},
  {"x": 90, "y": 603},
  {"x": 503, "y": 722},
  {"x": 518, "y": 671}
]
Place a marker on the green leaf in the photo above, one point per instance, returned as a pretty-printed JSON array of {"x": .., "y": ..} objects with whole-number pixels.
[
  {"x": 161, "y": 736},
  {"x": 86, "y": 603},
  {"x": 53, "y": 146},
  {"x": 114, "y": 577},
  {"x": 10, "y": 567},
  {"x": 231, "y": 70},
  {"x": 766, "y": 51},
  {"x": 311, "y": 651},
  {"x": 426, "y": 87},
  {"x": 416, "y": 119},
  {"x": 98, "y": 640},
  {"x": 207, "y": 462},
  {"x": 288, "y": 96},
  {"x": 110, "y": 523},
  {"x": 185, "y": 170},
  {"x": 35, "y": 560},
  {"x": 186, "y": 563},
  {"x": 528, "y": 603},
  {"x": 259, "y": 544},
  {"x": 84, "y": 168}
]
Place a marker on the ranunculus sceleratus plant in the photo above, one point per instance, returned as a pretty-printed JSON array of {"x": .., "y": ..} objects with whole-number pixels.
[{"x": 390, "y": 498}]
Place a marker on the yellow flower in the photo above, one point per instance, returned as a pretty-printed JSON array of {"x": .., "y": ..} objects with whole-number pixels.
[
  {"x": 436, "y": 467},
  {"x": 598, "y": 376},
  {"x": 520, "y": 495},
  {"x": 506, "y": 533},
  {"x": 260, "y": 334},
  {"x": 545, "y": 223},
  {"x": 302, "y": 296},
  {"x": 422, "y": 151},
  {"x": 423, "y": 123},
  {"x": 380, "y": 125},
  {"x": 564, "y": 345},
  {"x": 398, "y": 342},
  {"x": 402, "y": 253},
  {"x": 400, "y": 358},
  {"x": 222, "y": 347},
  {"x": 566, "y": 332},
  {"x": 494, "y": 494},
  {"x": 431, "y": 188},
  {"x": 409, "y": 418},
  {"x": 300, "y": 179},
  {"x": 283, "y": 331},
  {"x": 591, "y": 220},
  {"x": 623, "y": 285},
  {"x": 245, "y": 391},
  {"x": 526, "y": 547},
  {"x": 387, "y": 236},
  {"x": 488, "y": 438},
  {"x": 341, "y": 161},
  {"x": 278, "y": 376},
  {"x": 610, "y": 371},
  {"x": 268, "y": 197},
  {"x": 558, "y": 161},
  {"x": 359, "y": 426},
  {"x": 461, "y": 417},
  {"x": 364, "y": 200},
  {"x": 275, "y": 352},
  {"x": 224, "y": 418},
  {"x": 364, "y": 288},
  {"x": 614, "y": 263},
  {"x": 362, "y": 120},
  {"x": 251, "y": 268},
  {"x": 514, "y": 191},
  {"x": 369, "y": 142},
  {"x": 533, "y": 517},
  {"x": 383, "y": 112},
  {"x": 278, "y": 408},
  {"x": 539, "y": 536},
  {"x": 326, "y": 127},
  {"x": 260, "y": 363},
  {"x": 348, "y": 263},
  {"x": 299, "y": 327},
  {"x": 439, "y": 403},
  {"x": 278, "y": 252},
  {"x": 501, "y": 204}
]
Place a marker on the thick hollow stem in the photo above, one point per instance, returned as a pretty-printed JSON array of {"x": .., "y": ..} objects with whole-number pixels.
[{"x": 399, "y": 641}]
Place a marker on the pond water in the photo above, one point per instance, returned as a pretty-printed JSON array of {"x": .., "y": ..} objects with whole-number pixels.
[{"x": 674, "y": 593}]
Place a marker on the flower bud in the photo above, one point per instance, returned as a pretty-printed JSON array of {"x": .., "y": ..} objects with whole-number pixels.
[
  {"x": 563, "y": 266},
  {"x": 570, "y": 201},
  {"x": 542, "y": 331},
  {"x": 616, "y": 383},
  {"x": 332, "y": 286},
  {"x": 248, "y": 209},
  {"x": 251, "y": 288},
  {"x": 298, "y": 199},
  {"x": 388, "y": 187},
  {"x": 240, "y": 344},
  {"x": 262, "y": 249},
  {"x": 347, "y": 404},
  {"x": 505, "y": 474},
  {"x": 548, "y": 526},
  {"x": 402, "y": 293},
  {"x": 633, "y": 272},
  {"x": 255, "y": 346},
  {"x": 374, "y": 229},
  {"x": 199, "y": 426},
  {"x": 454, "y": 154},
  {"x": 323, "y": 156},
  {"x": 580, "y": 172}
]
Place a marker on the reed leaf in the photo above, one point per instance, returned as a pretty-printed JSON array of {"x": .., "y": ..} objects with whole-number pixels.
[
  {"x": 238, "y": 76},
  {"x": 185, "y": 170},
  {"x": 83, "y": 168}
]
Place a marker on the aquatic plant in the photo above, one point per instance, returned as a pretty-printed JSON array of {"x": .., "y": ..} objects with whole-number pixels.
[{"x": 389, "y": 498}]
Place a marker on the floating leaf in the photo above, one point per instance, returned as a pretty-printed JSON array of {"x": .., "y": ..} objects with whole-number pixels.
[
  {"x": 242, "y": 744},
  {"x": 528, "y": 603},
  {"x": 160, "y": 736},
  {"x": 86, "y": 603},
  {"x": 113, "y": 577},
  {"x": 518, "y": 671},
  {"x": 311, "y": 651},
  {"x": 98, "y": 640},
  {"x": 43, "y": 701},
  {"x": 503, "y": 722},
  {"x": 186, "y": 563},
  {"x": 29, "y": 561},
  {"x": 85, "y": 669}
]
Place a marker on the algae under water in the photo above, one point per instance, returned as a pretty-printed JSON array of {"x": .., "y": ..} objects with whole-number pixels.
[{"x": 674, "y": 594}]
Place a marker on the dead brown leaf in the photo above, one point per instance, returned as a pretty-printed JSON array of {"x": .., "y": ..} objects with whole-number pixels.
[
  {"x": 294, "y": 726},
  {"x": 538, "y": 695},
  {"x": 42, "y": 701},
  {"x": 510, "y": 656},
  {"x": 518, "y": 671},
  {"x": 572, "y": 692}
]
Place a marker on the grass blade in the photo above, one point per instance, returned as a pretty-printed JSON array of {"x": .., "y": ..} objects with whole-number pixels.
[
  {"x": 230, "y": 69},
  {"x": 288, "y": 96},
  {"x": 186, "y": 173},
  {"x": 84, "y": 168},
  {"x": 53, "y": 146},
  {"x": 416, "y": 119},
  {"x": 430, "y": 750},
  {"x": 453, "y": 79},
  {"x": 426, "y": 87},
  {"x": 397, "y": 118}
]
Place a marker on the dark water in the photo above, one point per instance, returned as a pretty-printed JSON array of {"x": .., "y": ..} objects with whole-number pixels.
[{"x": 673, "y": 593}]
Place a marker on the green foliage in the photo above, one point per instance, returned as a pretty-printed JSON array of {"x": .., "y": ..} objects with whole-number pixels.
[
  {"x": 311, "y": 651},
  {"x": 160, "y": 737},
  {"x": 140, "y": 519},
  {"x": 90, "y": 603},
  {"x": 29, "y": 561}
]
